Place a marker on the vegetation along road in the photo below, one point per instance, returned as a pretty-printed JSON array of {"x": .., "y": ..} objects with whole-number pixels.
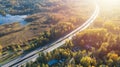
[{"x": 34, "y": 54}]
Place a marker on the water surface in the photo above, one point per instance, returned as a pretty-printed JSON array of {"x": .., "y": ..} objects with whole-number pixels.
[{"x": 13, "y": 18}]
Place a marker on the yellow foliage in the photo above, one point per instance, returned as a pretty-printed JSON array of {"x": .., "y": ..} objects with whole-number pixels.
[
  {"x": 0, "y": 47},
  {"x": 86, "y": 60},
  {"x": 113, "y": 56}
]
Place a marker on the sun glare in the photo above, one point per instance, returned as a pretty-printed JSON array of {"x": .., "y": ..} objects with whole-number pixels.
[{"x": 110, "y": 2}]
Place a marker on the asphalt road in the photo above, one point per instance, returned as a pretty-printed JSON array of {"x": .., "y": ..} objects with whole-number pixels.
[{"x": 34, "y": 54}]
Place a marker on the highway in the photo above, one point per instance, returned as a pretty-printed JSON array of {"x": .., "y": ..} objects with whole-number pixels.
[{"x": 34, "y": 54}]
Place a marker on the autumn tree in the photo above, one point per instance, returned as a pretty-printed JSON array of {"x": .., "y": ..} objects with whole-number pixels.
[
  {"x": 112, "y": 59},
  {"x": 0, "y": 49},
  {"x": 88, "y": 61}
]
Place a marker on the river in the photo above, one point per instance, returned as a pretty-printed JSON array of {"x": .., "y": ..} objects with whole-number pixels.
[{"x": 8, "y": 19}]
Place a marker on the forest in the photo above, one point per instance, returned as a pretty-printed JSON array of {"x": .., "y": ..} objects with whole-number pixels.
[
  {"x": 47, "y": 21},
  {"x": 21, "y": 7},
  {"x": 90, "y": 48}
]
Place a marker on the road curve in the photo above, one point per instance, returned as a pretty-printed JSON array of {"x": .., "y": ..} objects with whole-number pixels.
[{"x": 34, "y": 54}]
